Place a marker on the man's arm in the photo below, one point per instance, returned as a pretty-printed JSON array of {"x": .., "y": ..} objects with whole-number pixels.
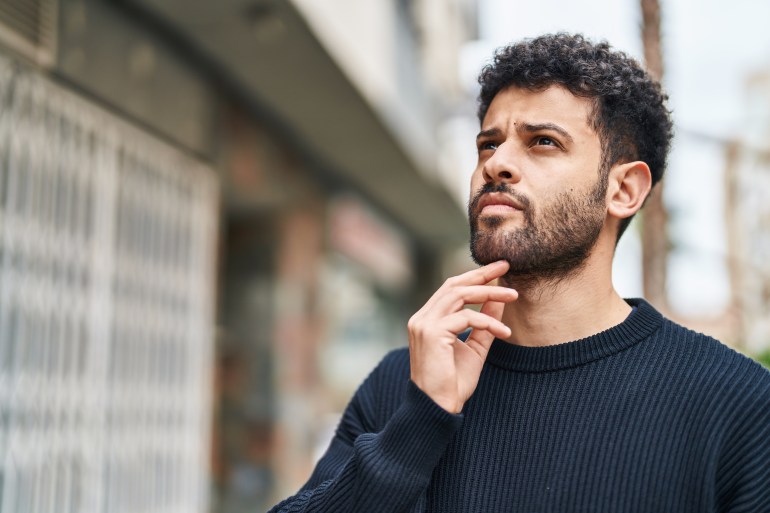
[
  {"x": 387, "y": 471},
  {"x": 367, "y": 472}
]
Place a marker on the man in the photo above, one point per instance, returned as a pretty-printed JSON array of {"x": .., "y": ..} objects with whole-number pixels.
[{"x": 564, "y": 397}]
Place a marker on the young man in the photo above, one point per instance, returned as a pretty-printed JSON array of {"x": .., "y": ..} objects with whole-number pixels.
[{"x": 564, "y": 397}]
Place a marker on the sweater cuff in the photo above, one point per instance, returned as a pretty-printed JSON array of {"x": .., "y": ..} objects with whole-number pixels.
[{"x": 417, "y": 435}]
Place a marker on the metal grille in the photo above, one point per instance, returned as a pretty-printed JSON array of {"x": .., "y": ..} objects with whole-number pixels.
[
  {"x": 107, "y": 241},
  {"x": 29, "y": 26}
]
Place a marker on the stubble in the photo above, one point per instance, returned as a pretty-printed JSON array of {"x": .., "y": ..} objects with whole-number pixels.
[{"x": 553, "y": 241}]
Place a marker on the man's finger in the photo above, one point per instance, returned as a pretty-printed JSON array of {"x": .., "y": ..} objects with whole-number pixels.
[
  {"x": 483, "y": 274},
  {"x": 454, "y": 299},
  {"x": 480, "y": 276},
  {"x": 464, "y": 319},
  {"x": 481, "y": 340}
]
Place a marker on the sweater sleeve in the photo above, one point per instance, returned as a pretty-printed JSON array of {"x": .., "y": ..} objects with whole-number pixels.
[
  {"x": 743, "y": 483},
  {"x": 386, "y": 471}
]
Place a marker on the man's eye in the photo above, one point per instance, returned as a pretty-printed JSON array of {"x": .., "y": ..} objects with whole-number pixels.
[
  {"x": 487, "y": 146},
  {"x": 545, "y": 141}
]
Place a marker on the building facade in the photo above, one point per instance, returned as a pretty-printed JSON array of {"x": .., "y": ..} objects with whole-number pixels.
[{"x": 216, "y": 218}]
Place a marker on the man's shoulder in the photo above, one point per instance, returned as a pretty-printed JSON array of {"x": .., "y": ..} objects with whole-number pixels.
[
  {"x": 380, "y": 393},
  {"x": 388, "y": 376},
  {"x": 396, "y": 358},
  {"x": 394, "y": 366},
  {"x": 715, "y": 361}
]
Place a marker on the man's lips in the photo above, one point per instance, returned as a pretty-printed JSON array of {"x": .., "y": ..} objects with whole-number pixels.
[{"x": 496, "y": 203}]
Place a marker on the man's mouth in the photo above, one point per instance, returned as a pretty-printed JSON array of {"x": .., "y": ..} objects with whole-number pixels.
[{"x": 496, "y": 204}]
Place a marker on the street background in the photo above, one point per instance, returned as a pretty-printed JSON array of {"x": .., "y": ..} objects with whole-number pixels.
[{"x": 216, "y": 218}]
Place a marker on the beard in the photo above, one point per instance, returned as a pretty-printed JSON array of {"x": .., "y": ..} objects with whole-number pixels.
[{"x": 553, "y": 242}]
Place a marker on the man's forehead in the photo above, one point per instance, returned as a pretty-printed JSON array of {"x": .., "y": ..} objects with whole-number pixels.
[{"x": 554, "y": 104}]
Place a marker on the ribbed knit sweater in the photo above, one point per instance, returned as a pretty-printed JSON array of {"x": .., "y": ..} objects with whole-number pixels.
[{"x": 647, "y": 416}]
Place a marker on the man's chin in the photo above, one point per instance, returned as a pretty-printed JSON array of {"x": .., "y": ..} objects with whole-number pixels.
[
  {"x": 490, "y": 221},
  {"x": 496, "y": 222},
  {"x": 481, "y": 261},
  {"x": 484, "y": 257},
  {"x": 488, "y": 244}
]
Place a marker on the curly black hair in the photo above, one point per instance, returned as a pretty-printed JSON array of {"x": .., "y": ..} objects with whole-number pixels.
[{"x": 629, "y": 114}]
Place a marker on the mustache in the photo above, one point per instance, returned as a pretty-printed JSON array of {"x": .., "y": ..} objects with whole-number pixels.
[{"x": 491, "y": 187}]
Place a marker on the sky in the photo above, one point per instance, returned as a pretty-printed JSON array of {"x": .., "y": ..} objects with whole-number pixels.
[{"x": 710, "y": 48}]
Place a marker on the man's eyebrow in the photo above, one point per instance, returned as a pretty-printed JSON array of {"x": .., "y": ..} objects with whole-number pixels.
[
  {"x": 491, "y": 132},
  {"x": 537, "y": 127}
]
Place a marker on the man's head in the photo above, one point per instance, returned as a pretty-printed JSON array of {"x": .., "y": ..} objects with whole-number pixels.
[
  {"x": 623, "y": 120},
  {"x": 629, "y": 107}
]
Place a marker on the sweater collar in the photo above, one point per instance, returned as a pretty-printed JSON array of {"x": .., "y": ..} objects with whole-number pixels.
[{"x": 640, "y": 324}]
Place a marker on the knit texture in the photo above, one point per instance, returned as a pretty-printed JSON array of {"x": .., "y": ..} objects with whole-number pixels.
[{"x": 644, "y": 417}]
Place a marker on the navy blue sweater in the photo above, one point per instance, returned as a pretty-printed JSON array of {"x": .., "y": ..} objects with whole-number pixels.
[{"x": 644, "y": 417}]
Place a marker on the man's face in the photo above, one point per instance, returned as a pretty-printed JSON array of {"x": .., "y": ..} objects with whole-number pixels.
[{"x": 537, "y": 197}]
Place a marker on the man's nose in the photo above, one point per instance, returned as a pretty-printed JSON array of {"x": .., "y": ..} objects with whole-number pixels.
[{"x": 502, "y": 166}]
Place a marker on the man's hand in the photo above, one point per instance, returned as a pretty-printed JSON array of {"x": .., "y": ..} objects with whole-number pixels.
[{"x": 442, "y": 366}]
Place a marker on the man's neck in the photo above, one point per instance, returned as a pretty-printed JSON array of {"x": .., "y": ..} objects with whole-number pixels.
[{"x": 558, "y": 311}]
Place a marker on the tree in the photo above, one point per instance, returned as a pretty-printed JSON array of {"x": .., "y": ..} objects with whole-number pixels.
[{"x": 655, "y": 242}]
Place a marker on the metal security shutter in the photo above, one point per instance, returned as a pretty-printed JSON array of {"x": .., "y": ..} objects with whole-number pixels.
[
  {"x": 107, "y": 241},
  {"x": 29, "y": 27}
]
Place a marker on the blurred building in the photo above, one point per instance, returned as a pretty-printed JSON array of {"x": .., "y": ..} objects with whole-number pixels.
[{"x": 237, "y": 200}]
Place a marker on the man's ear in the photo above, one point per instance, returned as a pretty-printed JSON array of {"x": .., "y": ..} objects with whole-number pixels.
[{"x": 629, "y": 185}]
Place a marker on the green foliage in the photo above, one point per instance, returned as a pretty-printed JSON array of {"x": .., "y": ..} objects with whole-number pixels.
[{"x": 764, "y": 358}]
